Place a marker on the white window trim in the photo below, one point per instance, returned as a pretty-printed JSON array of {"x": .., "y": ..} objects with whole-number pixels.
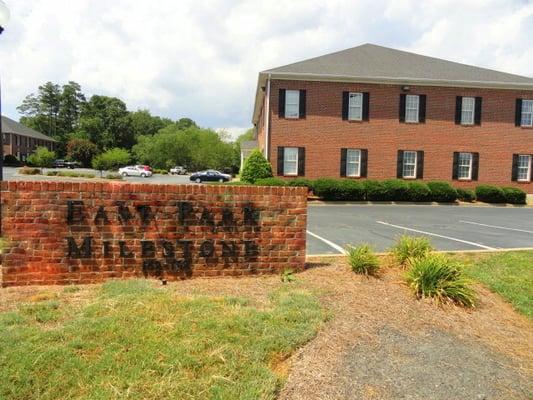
[
  {"x": 358, "y": 169},
  {"x": 414, "y": 169},
  {"x": 528, "y": 177},
  {"x": 285, "y": 173},
  {"x": 297, "y": 104},
  {"x": 524, "y": 102},
  {"x": 471, "y": 122},
  {"x": 470, "y": 165},
  {"x": 417, "y": 109},
  {"x": 350, "y": 107}
]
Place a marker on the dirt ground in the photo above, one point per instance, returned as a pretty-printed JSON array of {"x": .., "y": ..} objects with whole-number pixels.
[{"x": 380, "y": 342}]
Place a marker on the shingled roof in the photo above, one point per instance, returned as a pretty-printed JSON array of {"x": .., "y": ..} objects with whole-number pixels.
[
  {"x": 377, "y": 64},
  {"x": 10, "y": 126}
]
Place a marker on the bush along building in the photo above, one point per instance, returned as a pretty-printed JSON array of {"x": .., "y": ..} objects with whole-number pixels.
[
  {"x": 379, "y": 113},
  {"x": 20, "y": 141}
]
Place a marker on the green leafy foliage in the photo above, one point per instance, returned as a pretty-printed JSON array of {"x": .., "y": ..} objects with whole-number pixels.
[
  {"x": 442, "y": 192},
  {"x": 466, "y": 195},
  {"x": 29, "y": 171},
  {"x": 514, "y": 195},
  {"x": 490, "y": 194},
  {"x": 301, "y": 182},
  {"x": 396, "y": 190},
  {"x": 256, "y": 167},
  {"x": 270, "y": 182},
  {"x": 113, "y": 176},
  {"x": 419, "y": 191},
  {"x": 408, "y": 248},
  {"x": 375, "y": 190},
  {"x": 111, "y": 159},
  {"x": 363, "y": 260},
  {"x": 42, "y": 157},
  {"x": 440, "y": 278},
  {"x": 288, "y": 276},
  {"x": 70, "y": 174},
  {"x": 12, "y": 161},
  {"x": 81, "y": 150}
]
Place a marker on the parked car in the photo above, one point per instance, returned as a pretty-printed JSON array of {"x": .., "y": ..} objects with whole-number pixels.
[
  {"x": 65, "y": 164},
  {"x": 135, "y": 170},
  {"x": 178, "y": 170},
  {"x": 145, "y": 167},
  {"x": 210, "y": 175}
]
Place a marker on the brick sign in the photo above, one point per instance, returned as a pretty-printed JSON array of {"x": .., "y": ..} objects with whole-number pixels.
[{"x": 63, "y": 232}]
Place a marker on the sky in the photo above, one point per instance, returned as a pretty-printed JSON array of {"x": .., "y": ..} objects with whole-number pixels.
[{"x": 200, "y": 58}]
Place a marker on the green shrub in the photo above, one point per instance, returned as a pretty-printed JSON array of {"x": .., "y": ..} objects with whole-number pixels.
[
  {"x": 42, "y": 157},
  {"x": 270, "y": 182},
  {"x": 256, "y": 167},
  {"x": 408, "y": 248},
  {"x": 440, "y": 278},
  {"x": 351, "y": 190},
  {"x": 111, "y": 159},
  {"x": 12, "y": 161},
  {"x": 490, "y": 194},
  {"x": 29, "y": 171},
  {"x": 113, "y": 175},
  {"x": 326, "y": 188},
  {"x": 236, "y": 183},
  {"x": 374, "y": 190},
  {"x": 161, "y": 171},
  {"x": 70, "y": 174},
  {"x": 52, "y": 173},
  {"x": 288, "y": 276},
  {"x": 442, "y": 192},
  {"x": 466, "y": 195},
  {"x": 363, "y": 260},
  {"x": 514, "y": 195},
  {"x": 396, "y": 190},
  {"x": 419, "y": 191},
  {"x": 300, "y": 182}
]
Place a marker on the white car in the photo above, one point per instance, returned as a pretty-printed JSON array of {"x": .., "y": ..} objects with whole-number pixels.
[
  {"x": 178, "y": 170},
  {"x": 135, "y": 170}
]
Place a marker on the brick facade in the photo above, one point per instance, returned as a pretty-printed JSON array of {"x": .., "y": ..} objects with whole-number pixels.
[
  {"x": 324, "y": 133},
  {"x": 63, "y": 232}
]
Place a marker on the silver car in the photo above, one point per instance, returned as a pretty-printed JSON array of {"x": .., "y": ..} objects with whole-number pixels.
[{"x": 135, "y": 170}]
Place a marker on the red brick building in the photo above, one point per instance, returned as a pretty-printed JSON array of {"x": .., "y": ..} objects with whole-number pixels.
[
  {"x": 378, "y": 113},
  {"x": 20, "y": 141}
]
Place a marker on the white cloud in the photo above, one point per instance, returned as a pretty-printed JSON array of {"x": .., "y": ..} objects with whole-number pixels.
[{"x": 200, "y": 58}]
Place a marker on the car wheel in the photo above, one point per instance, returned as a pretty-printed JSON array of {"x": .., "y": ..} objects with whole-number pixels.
[
  {"x": 221, "y": 180},
  {"x": 124, "y": 174},
  {"x": 143, "y": 175},
  {"x": 198, "y": 180}
]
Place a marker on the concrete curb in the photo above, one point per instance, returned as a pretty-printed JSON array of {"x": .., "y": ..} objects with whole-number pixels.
[{"x": 412, "y": 203}]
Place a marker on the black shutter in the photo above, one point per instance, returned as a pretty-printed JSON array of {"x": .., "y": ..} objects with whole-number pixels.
[
  {"x": 281, "y": 104},
  {"x": 301, "y": 161},
  {"x": 458, "y": 108},
  {"x": 422, "y": 108},
  {"x": 518, "y": 113},
  {"x": 455, "y": 169},
  {"x": 302, "y": 104},
  {"x": 366, "y": 106},
  {"x": 419, "y": 164},
  {"x": 343, "y": 161},
  {"x": 281, "y": 158},
  {"x": 477, "y": 112},
  {"x": 399, "y": 165},
  {"x": 402, "y": 107},
  {"x": 345, "y": 102},
  {"x": 514, "y": 174},
  {"x": 364, "y": 163},
  {"x": 475, "y": 166}
]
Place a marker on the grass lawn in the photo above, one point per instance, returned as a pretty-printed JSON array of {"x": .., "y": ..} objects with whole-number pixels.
[
  {"x": 135, "y": 340},
  {"x": 509, "y": 274}
]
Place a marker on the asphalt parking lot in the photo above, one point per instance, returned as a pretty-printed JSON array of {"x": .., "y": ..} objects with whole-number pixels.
[{"x": 331, "y": 228}]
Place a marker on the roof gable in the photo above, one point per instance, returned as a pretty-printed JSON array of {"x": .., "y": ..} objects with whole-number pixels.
[{"x": 11, "y": 126}]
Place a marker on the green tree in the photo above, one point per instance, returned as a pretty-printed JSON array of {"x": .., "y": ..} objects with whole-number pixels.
[
  {"x": 111, "y": 159},
  {"x": 185, "y": 123},
  {"x": 71, "y": 103},
  {"x": 41, "y": 110},
  {"x": 42, "y": 158},
  {"x": 256, "y": 167},
  {"x": 144, "y": 123},
  {"x": 81, "y": 150}
]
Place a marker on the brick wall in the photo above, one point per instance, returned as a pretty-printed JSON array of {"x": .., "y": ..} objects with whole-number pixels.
[
  {"x": 63, "y": 232},
  {"x": 323, "y": 132}
]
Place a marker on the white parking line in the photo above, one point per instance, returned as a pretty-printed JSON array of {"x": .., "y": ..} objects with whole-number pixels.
[
  {"x": 496, "y": 226},
  {"x": 328, "y": 242},
  {"x": 437, "y": 235}
]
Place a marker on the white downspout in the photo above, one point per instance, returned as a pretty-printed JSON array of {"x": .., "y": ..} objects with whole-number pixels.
[{"x": 267, "y": 119}]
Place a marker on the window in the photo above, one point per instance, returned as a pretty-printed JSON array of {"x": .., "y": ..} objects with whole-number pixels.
[
  {"x": 411, "y": 108},
  {"x": 524, "y": 168},
  {"x": 290, "y": 161},
  {"x": 353, "y": 163},
  {"x": 292, "y": 104},
  {"x": 17, "y": 140},
  {"x": 409, "y": 164},
  {"x": 464, "y": 166},
  {"x": 355, "y": 107},
  {"x": 527, "y": 113},
  {"x": 467, "y": 110}
]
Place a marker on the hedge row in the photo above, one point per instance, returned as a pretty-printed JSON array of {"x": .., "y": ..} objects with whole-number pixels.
[{"x": 399, "y": 190}]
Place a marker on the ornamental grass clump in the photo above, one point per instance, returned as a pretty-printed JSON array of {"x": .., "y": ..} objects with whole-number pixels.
[
  {"x": 408, "y": 248},
  {"x": 441, "y": 279},
  {"x": 363, "y": 260}
]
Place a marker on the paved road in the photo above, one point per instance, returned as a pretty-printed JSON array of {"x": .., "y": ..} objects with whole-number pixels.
[
  {"x": 332, "y": 227},
  {"x": 11, "y": 174}
]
